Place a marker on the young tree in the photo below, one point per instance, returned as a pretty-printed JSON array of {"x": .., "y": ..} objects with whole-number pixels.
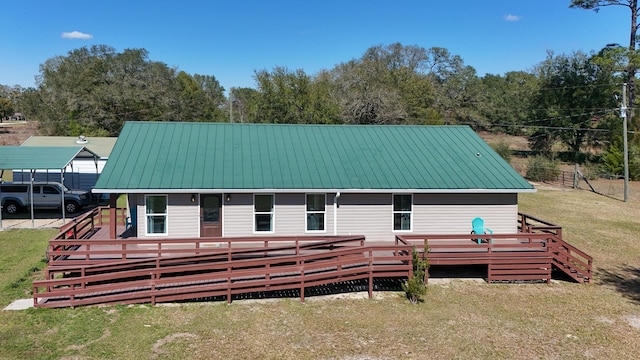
[
  {"x": 6, "y": 108},
  {"x": 507, "y": 100},
  {"x": 574, "y": 93},
  {"x": 632, "y": 55},
  {"x": 291, "y": 97}
]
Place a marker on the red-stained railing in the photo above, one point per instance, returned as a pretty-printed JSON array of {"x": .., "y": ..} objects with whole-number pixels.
[{"x": 239, "y": 270}]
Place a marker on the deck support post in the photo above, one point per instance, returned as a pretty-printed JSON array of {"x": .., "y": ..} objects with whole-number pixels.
[
  {"x": 370, "y": 274},
  {"x": 113, "y": 226}
]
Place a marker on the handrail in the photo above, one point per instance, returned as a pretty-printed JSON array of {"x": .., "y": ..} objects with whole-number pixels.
[
  {"x": 228, "y": 277},
  {"x": 570, "y": 259},
  {"x": 220, "y": 253},
  {"x": 60, "y": 250}
]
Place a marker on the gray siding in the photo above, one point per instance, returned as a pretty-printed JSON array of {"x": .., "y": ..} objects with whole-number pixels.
[
  {"x": 452, "y": 213},
  {"x": 289, "y": 216},
  {"x": 366, "y": 214},
  {"x": 183, "y": 217},
  {"x": 370, "y": 215}
]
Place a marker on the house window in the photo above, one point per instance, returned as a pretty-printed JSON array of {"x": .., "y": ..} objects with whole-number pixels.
[
  {"x": 263, "y": 213},
  {"x": 402, "y": 206},
  {"x": 156, "y": 206},
  {"x": 316, "y": 212}
]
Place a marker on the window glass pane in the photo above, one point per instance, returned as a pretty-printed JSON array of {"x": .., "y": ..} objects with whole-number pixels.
[
  {"x": 156, "y": 204},
  {"x": 50, "y": 190},
  {"x": 263, "y": 203},
  {"x": 402, "y": 221},
  {"x": 315, "y": 202},
  {"x": 401, "y": 202},
  {"x": 211, "y": 208},
  {"x": 315, "y": 221},
  {"x": 156, "y": 224},
  {"x": 263, "y": 222}
]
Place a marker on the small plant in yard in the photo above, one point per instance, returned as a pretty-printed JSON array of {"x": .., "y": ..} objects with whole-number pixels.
[
  {"x": 415, "y": 287},
  {"x": 541, "y": 168},
  {"x": 502, "y": 148}
]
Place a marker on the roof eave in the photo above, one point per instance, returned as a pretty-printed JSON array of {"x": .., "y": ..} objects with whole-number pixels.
[{"x": 362, "y": 191}]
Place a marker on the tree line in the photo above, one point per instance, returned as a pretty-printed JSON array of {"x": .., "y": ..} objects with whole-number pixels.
[{"x": 567, "y": 99}]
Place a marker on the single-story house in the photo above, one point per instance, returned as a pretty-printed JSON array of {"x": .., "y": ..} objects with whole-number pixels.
[
  {"x": 186, "y": 180},
  {"x": 83, "y": 171}
]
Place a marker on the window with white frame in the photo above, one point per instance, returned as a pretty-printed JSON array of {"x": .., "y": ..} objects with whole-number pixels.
[
  {"x": 156, "y": 214},
  {"x": 263, "y": 212},
  {"x": 316, "y": 210},
  {"x": 402, "y": 209}
]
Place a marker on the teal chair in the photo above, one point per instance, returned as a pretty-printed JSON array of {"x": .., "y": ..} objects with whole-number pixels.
[{"x": 477, "y": 225}]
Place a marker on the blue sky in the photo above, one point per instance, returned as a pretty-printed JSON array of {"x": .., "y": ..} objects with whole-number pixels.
[{"x": 230, "y": 40}]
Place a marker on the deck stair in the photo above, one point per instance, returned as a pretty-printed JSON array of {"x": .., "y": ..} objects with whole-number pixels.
[
  {"x": 85, "y": 267},
  {"x": 567, "y": 259}
]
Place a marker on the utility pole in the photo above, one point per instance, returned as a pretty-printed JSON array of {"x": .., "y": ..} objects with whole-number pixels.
[
  {"x": 231, "y": 105},
  {"x": 623, "y": 113}
]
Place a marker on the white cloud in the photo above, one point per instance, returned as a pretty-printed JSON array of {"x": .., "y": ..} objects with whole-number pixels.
[
  {"x": 512, "y": 18},
  {"x": 76, "y": 35}
]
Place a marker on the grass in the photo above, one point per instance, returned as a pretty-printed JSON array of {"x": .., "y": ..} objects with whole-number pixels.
[
  {"x": 22, "y": 255},
  {"x": 457, "y": 320}
]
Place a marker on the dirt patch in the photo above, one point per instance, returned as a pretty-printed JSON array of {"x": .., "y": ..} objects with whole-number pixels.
[
  {"x": 633, "y": 321},
  {"x": 15, "y": 133},
  {"x": 515, "y": 142},
  {"x": 105, "y": 334},
  {"x": 157, "y": 347}
]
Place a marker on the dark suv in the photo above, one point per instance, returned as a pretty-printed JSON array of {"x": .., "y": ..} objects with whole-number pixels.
[{"x": 16, "y": 196}]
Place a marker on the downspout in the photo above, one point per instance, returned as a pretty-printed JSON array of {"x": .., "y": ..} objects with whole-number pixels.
[{"x": 335, "y": 213}]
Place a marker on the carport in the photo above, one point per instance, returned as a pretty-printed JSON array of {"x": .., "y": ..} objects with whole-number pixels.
[{"x": 40, "y": 158}]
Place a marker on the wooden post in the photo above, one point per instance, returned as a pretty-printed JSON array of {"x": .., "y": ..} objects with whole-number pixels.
[
  {"x": 370, "y": 274},
  {"x": 113, "y": 225}
]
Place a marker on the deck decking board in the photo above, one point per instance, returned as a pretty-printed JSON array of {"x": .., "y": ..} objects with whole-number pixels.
[{"x": 130, "y": 270}]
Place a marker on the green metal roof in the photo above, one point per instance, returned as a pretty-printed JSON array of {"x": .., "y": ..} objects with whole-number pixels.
[
  {"x": 38, "y": 157},
  {"x": 183, "y": 157},
  {"x": 99, "y": 145}
]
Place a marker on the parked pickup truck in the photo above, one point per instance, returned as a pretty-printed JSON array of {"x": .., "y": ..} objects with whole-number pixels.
[{"x": 16, "y": 196}]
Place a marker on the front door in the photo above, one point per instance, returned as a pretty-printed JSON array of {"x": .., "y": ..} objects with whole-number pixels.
[{"x": 210, "y": 215}]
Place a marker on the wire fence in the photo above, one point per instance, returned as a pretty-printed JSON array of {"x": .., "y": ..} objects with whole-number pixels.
[{"x": 603, "y": 184}]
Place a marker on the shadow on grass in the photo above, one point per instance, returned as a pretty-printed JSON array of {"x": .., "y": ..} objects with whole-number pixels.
[
  {"x": 625, "y": 279},
  {"x": 344, "y": 287}
]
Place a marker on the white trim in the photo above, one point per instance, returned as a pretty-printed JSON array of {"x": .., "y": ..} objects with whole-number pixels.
[
  {"x": 272, "y": 212},
  {"x": 307, "y": 212},
  {"x": 335, "y": 213},
  {"x": 304, "y": 191},
  {"x": 166, "y": 216},
  {"x": 394, "y": 212}
]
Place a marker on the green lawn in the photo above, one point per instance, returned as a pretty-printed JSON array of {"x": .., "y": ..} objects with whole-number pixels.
[{"x": 460, "y": 319}]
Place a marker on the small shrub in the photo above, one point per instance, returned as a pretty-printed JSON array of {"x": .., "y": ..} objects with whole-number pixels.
[
  {"x": 415, "y": 288},
  {"x": 541, "y": 168},
  {"x": 502, "y": 148}
]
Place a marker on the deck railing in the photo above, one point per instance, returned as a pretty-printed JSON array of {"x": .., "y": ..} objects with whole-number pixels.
[
  {"x": 68, "y": 254},
  {"x": 128, "y": 270},
  {"x": 567, "y": 258},
  {"x": 87, "y": 223},
  {"x": 530, "y": 224},
  {"x": 157, "y": 280},
  {"x": 87, "y": 251}
]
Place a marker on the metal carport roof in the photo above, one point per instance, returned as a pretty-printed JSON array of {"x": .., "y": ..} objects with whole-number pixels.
[{"x": 40, "y": 158}]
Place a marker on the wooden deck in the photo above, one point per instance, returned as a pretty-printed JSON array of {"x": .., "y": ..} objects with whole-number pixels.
[{"x": 86, "y": 267}]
